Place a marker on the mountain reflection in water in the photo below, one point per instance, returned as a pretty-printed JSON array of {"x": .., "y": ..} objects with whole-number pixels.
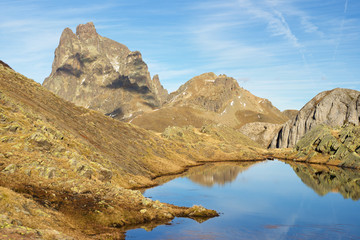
[
  {"x": 321, "y": 178},
  {"x": 324, "y": 179},
  {"x": 218, "y": 173}
]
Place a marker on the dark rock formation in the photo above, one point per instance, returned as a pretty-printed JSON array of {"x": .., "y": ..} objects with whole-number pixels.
[
  {"x": 98, "y": 73},
  {"x": 333, "y": 108}
]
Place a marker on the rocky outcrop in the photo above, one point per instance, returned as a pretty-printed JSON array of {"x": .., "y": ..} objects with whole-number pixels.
[
  {"x": 211, "y": 99},
  {"x": 260, "y": 132},
  {"x": 332, "y": 146},
  {"x": 98, "y": 73},
  {"x": 333, "y": 108},
  {"x": 159, "y": 90}
]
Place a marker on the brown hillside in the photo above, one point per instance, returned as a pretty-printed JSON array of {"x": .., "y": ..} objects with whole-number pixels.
[{"x": 65, "y": 171}]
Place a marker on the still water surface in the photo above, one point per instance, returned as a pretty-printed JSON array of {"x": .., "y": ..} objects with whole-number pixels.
[{"x": 266, "y": 200}]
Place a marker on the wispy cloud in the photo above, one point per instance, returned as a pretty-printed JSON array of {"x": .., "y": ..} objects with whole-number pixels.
[
  {"x": 346, "y": 6},
  {"x": 277, "y": 23}
]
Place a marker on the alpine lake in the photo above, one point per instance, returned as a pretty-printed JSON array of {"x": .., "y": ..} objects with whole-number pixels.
[{"x": 261, "y": 200}]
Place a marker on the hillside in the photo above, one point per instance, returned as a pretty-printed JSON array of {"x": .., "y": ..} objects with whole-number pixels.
[
  {"x": 210, "y": 99},
  {"x": 66, "y": 171}
]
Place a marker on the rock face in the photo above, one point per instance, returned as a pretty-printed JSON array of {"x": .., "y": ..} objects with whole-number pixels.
[
  {"x": 260, "y": 132},
  {"x": 211, "y": 99},
  {"x": 333, "y": 108},
  {"x": 98, "y": 73}
]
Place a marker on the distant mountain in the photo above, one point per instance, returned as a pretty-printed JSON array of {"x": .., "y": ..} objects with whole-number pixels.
[
  {"x": 100, "y": 74},
  {"x": 332, "y": 108},
  {"x": 210, "y": 99}
]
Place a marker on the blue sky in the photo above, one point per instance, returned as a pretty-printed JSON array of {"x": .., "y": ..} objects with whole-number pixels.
[{"x": 283, "y": 50}]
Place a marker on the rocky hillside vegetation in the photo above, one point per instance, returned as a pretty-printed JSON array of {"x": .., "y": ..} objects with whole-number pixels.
[
  {"x": 333, "y": 108},
  {"x": 66, "y": 172},
  {"x": 332, "y": 146},
  {"x": 100, "y": 74}
]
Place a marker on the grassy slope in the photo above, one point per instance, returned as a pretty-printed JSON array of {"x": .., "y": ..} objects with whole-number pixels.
[{"x": 77, "y": 165}]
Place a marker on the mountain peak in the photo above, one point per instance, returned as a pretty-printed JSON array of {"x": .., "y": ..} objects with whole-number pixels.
[
  {"x": 101, "y": 74},
  {"x": 87, "y": 30}
]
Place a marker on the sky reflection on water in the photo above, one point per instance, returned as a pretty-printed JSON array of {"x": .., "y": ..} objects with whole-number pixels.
[{"x": 267, "y": 200}]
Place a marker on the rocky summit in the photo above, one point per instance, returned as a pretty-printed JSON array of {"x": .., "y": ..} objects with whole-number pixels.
[
  {"x": 100, "y": 74},
  {"x": 211, "y": 99},
  {"x": 333, "y": 108}
]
